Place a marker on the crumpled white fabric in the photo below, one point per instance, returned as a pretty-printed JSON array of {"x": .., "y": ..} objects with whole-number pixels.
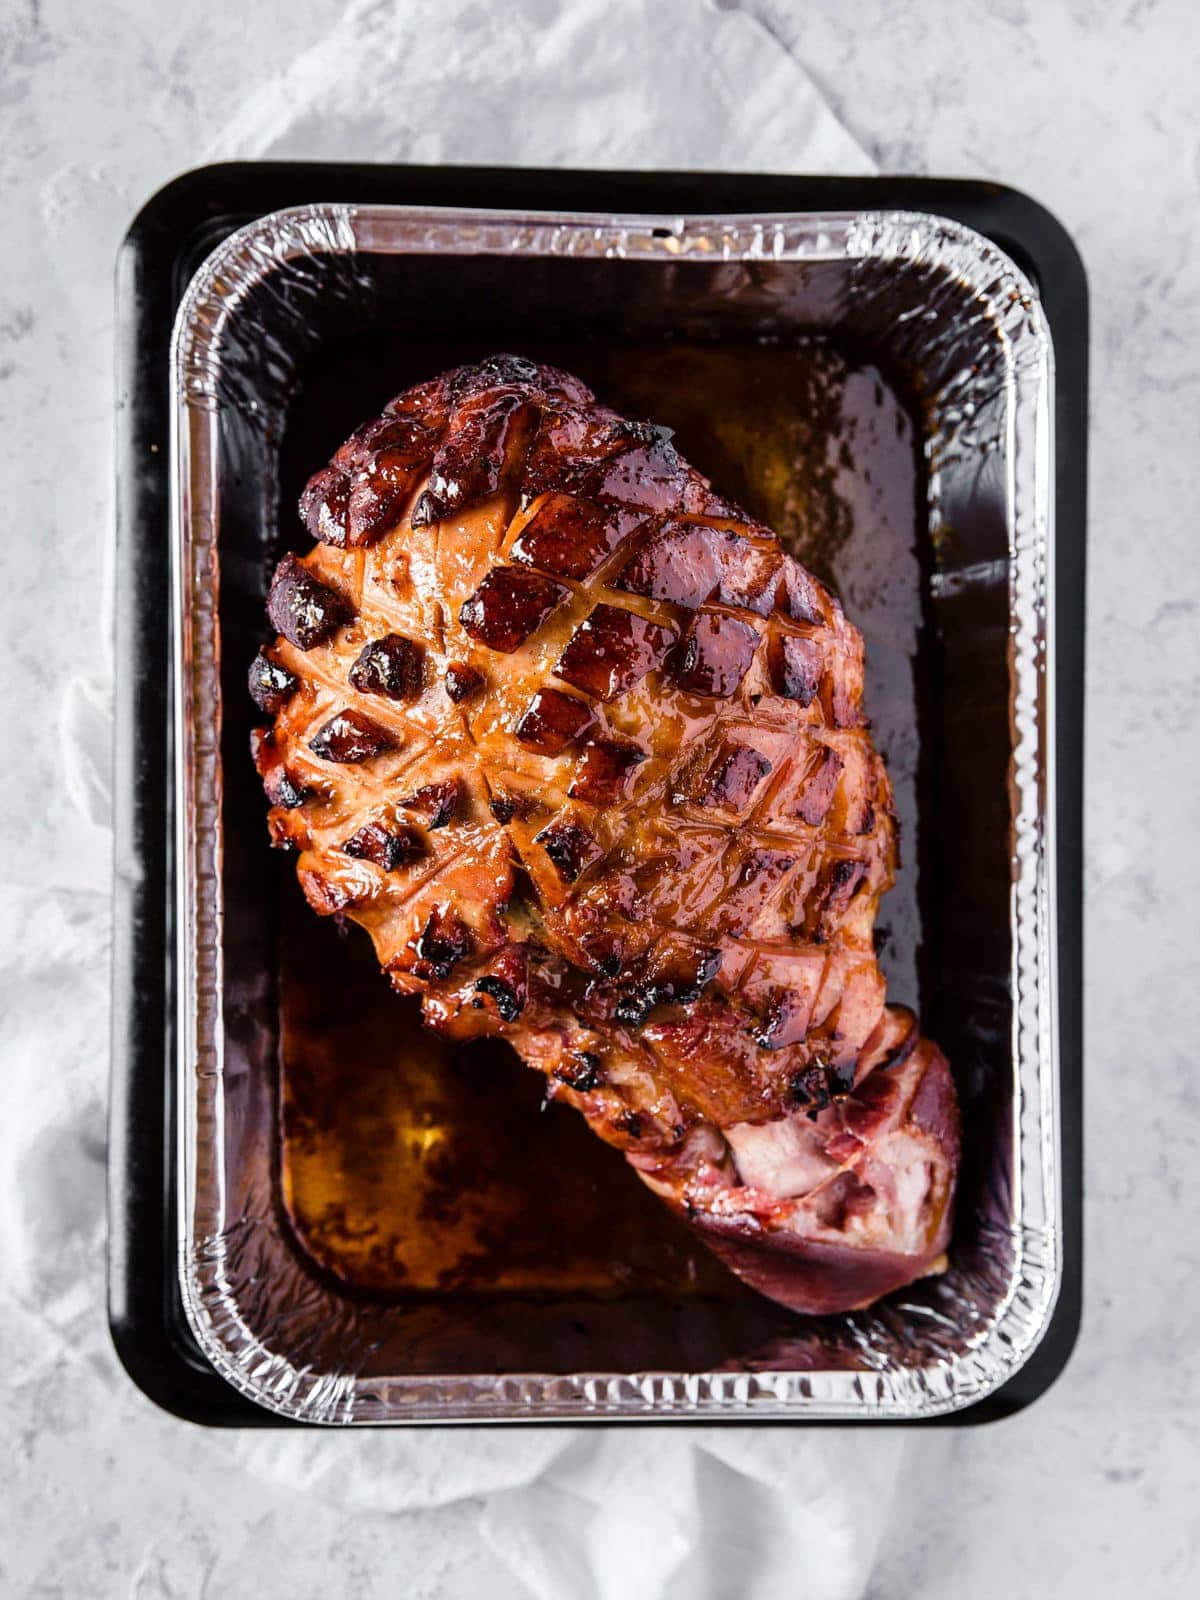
[
  {"x": 736, "y": 1513},
  {"x": 652, "y": 83},
  {"x": 603, "y": 1514}
]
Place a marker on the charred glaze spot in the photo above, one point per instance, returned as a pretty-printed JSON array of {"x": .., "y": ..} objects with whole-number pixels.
[
  {"x": 325, "y": 504},
  {"x": 569, "y": 537},
  {"x": 393, "y": 666},
  {"x": 604, "y": 952},
  {"x": 304, "y": 610},
  {"x": 388, "y": 847},
  {"x": 270, "y": 683},
  {"x": 570, "y": 847},
  {"x": 509, "y": 1003},
  {"x": 282, "y": 790},
  {"x": 435, "y": 803},
  {"x": 680, "y": 975},
  {"x": 820, "y": 786},
  {"x": 463, "y": 682},
  {"x": 508, "y": 606},
  {"x": 611, "y": 651},
  {"x": 506, "y": 984},
  {"x": 494, "y": 370},
  {"x": 714, "y": 655},
  {"x": 444, "y": 942},
  {"x": 552, "y": 721},
  {"x": 604, "y": 769},
  {"x": 347, "y": 738},
  {"x": 581, "y": 1071},
  {"x": 786, "y": 1021},
  {"x": 505, "y": 372},
  {"x": 811, "y": 1089},
  {"x": 732, "y": 779},
  {"x": 630, "y": 1124},
  {"x": 764, "y": 862},
  {"x": 329, "y": 896},
  {"x": 677, "y": 975},
  {"x": 633, "y": 1008},
  {"x": 796, "y": 665},
  {"x": 828, "y": 902}
]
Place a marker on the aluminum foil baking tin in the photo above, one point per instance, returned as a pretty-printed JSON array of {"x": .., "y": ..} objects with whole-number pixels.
[{"x": 952, "y": 320}]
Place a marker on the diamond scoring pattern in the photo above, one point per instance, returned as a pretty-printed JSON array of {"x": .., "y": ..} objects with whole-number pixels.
[
  {"x": 699, "y": 607},
  {"x": 582, "y": 751}
]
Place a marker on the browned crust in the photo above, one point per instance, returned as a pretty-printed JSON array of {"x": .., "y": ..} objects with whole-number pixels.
[{"x": 670, "y": 829}]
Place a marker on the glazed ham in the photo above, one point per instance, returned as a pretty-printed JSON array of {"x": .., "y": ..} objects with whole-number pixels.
[{"x": 582, "y": 749}]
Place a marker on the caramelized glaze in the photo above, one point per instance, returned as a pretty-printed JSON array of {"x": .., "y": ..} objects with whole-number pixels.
[{"x": 667, "y": 870}]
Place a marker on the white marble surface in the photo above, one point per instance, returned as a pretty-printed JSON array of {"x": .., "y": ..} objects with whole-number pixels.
[{"x": 1091, "y": 106}]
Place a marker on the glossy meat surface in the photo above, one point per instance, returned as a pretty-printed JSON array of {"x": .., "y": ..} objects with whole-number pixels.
[{"x": 583, "y": 750}]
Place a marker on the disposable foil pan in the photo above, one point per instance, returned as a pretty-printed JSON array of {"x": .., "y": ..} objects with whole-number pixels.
[{"x": 955, "y": 324}]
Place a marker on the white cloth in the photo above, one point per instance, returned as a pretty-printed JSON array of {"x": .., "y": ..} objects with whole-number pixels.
[
  {"x": 630, "y": 1514},
  {"x": 648, "y": 83}
]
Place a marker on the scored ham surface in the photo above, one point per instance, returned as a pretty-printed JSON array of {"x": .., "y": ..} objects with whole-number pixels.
[{"x": 582, "y": 749}]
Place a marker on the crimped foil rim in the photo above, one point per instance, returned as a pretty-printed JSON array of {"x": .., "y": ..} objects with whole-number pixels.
[{"x": 1009, "y": 306}]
